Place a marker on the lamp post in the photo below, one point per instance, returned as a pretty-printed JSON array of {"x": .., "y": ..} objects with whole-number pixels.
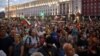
[{"x": 8, "y": 8}]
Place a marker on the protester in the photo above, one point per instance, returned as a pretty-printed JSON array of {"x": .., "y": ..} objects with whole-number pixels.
[
  {"x": 5, "y": 42},
  {"x": 82, "y": 46},
  {"x": 92, "y": 47},
  {"x": 17, "y": 47},
  {"x": 12, "y": 35},
  {"x": 32, "y": 42},
  {"x": 69, "y": 50},
  {"x": 48, "y": 49}
]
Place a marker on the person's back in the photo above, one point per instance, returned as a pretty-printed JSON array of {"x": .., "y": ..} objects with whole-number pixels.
[
  {"x": 32, "y": 42},
  {"x": 54, "y": 36},
  {"x": 48, "y": 49}
]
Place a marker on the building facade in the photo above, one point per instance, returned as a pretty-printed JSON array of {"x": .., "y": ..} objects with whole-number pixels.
[
  {"x": 91, "y": 8},
  {"x": 75, "y": 6},
  {"x": 46, "y": 7}
]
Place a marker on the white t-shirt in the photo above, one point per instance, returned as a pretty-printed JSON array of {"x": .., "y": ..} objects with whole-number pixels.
[
  {"x": 2, "y": 53},
  {"x": 41, "y": 33},
  {"x": 70, "y": 38},
  {"x": 34, "y": 41},
  {"x": 74, "y": 55}
]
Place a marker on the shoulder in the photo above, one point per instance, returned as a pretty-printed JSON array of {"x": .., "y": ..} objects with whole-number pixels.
[
  {"x": 76, "y": 55},
  {"x": 41, "y": 48},
  {"x": 8, "y": 40},
  {"x": 28, "y": 37},
  {"x": 2, "y": 53}
]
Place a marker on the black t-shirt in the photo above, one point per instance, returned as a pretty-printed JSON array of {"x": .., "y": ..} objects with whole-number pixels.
[
  {"x": 82, "y": 42},
  {"x": 52, "y": 51},
  {"x": 5, "y": 43}
]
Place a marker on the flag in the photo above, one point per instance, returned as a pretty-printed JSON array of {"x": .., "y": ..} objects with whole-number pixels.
[
  {"x": 90, "y": 19},
  {"x": 26, "y": 22}
]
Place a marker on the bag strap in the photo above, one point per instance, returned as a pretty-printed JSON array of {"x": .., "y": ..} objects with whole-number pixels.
[{"x": 29, "y": 40}]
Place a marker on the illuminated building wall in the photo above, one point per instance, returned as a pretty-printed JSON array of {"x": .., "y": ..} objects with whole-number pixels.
[{"x": 34, "y": 8}]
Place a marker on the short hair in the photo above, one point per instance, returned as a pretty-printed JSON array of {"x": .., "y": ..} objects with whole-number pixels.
[
  {"x": 37, "y": 54},
  {"x": 66, "y": 45},
  {"x": 49, "y": 40}
]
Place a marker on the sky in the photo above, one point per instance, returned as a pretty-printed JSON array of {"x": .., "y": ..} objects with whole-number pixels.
[{"x": 4, "y": 3}]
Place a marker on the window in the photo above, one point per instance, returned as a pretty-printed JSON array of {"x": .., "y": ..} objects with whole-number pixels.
[
  {"x": 84, "y": 5},
  {"x": 94, "y": 10},
  {"x": 87, "y": 8},
  {"x": 91, "y": 4},
  {"x": 95, "y": 4},
  {"x": 91, "y": 7},
  {"x": 84, "y": 0},
  {"x": 87, "y": 4},
  {"x": 99, "y": 3},
  {"x": 95, "y": 7}
]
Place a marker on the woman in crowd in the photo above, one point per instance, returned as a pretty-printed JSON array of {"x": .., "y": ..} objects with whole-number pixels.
[{"x": 17, "y": 48}]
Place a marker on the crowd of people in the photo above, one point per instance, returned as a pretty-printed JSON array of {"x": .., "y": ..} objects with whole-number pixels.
[{"x": 51, "y": 39}]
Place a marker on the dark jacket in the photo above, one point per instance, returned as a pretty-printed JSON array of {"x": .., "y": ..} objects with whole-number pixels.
[{"x": 52, "y": 51}]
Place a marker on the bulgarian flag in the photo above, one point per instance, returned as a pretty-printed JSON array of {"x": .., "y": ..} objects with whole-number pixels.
[
  {"x": 25, "y": 22},
  {"x": 90, "y": 19}
]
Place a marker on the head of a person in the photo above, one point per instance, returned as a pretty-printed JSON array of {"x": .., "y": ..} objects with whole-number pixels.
[
  {"x": 17, "y": 38},
  {"x": 13, "y": 33},
  {"x": 2, "y": 31},
  {"x": 37, "y": 54},
  {"x": 69, "y": 50},
  {"x": 33, "y": 32},
  {"x": 49, "y": 41},
  {"x": 59, "y": 32}
]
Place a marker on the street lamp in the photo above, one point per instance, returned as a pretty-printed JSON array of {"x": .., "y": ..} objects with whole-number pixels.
[
  {"x": 8, "y": 1},
  {"x": 8, "y": 8}
]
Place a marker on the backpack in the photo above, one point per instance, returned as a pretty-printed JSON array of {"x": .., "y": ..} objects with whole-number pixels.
[
  {"x": 26, "y": 48},
  {"x": 29, "y": 40}
]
